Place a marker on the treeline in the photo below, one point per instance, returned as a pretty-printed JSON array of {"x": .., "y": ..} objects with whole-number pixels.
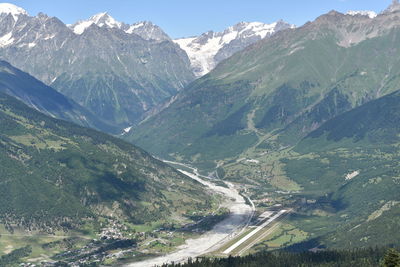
[{"x": 371, "y": 257}]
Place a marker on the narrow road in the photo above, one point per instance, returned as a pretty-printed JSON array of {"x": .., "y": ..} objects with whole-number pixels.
[{"x": 218, "y": 236}]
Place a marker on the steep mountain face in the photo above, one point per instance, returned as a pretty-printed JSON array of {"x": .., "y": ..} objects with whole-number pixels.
[
  {"x": 352, "y": 168},
  {"x": 207, "y": 50},
  {"x": 115, "y": 70},
  {"x": 278, "y": 90},
  {"x": 374, "y": 123},
  {"x": 45, "y": 99},
  {"x": 57, "y": 175}
]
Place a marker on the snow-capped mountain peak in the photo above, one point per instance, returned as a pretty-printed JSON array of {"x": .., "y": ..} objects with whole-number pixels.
[
  {"x": 370, "y": 14},
  {"x": 15, "y": 11},
  {"x": 101, "y": 20},
  {"x": 144, "y": 29},
  {"x": 208, "y": 49},
  {"x": 148, "y": 31}
]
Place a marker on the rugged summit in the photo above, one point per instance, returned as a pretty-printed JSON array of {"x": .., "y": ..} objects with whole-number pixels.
[
  {"x": 144, "y": 29},
  {"x": 101, "y": 20},
  {"x": 210, "y": 48},
  {"x": 115, "y": 70}
]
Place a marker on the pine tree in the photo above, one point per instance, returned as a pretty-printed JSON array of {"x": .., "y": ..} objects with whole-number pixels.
[{"x": 392, "y": 258}]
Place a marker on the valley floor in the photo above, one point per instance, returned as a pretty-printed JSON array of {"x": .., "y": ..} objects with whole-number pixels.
[{"x": 223, "y": 232}]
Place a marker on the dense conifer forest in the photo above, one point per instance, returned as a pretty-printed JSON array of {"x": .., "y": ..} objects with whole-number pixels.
[{"x": 370, "y": 257}]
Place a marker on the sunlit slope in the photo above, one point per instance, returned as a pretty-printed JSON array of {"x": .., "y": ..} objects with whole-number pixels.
[
  {"x": 282, "y": 87},
  {"x": 350, "y": 166},
  {"x": 55, "y": 174}
]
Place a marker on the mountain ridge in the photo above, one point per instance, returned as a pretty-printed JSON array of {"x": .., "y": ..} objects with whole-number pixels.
[
  {"x": 113, "y": 73},
  {"x": 49, "y": 163},
  {"x": 283, "y": 81},
  {"x": 46, "y": 99},
  {"x": 353, "y": 158},
  {"x": 210, "y": 48}
]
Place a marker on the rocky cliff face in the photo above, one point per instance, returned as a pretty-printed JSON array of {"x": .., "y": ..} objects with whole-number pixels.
[{"x": 117, "y": 71}]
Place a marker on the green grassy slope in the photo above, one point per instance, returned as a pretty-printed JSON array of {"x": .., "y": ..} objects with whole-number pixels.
[
  {"x": 288, "y": 85},
  {"x": 363, "y": 207},
  {"x": 57, "y": 175}
]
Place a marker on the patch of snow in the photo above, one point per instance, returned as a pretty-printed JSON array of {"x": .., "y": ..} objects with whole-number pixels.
[
  {"x": 128, "y": 129},
  {"x": 80, "y": 27},
  {"x": 15, "y": 11},
  {"x": 6, "y": 40},
  {"x": 48, "y": 37},
  {"x": 352, "y": 175},
  {"x": 134, "y": 27},
  {"x": 261, "y": 29},
  {"x": 101, "y": 20},
  {"x": 370, "y": 14}
]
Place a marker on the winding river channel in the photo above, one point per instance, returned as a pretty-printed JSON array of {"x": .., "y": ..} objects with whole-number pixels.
[{"x": 240, "y": 215}]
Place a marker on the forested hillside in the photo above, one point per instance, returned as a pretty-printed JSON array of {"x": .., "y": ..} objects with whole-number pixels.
[{"x": 57, "y": 175}]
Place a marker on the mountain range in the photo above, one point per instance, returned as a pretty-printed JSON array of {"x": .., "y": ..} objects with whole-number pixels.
[
  {"x": 118, "y": 71},
  {"x": 278, "y": 90},
  {"x": 312, "y": 111},
  {"x": 305, "y": 117},
  {"x": 115, "y": 73},
  {"x": 144, "y": 29}
]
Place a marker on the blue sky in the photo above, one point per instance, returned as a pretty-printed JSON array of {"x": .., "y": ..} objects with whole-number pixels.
[{"x": 187, "y": 17}]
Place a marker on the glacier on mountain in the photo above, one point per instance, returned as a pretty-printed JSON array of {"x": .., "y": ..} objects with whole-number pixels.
[{"x": 208, "y": 49}]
